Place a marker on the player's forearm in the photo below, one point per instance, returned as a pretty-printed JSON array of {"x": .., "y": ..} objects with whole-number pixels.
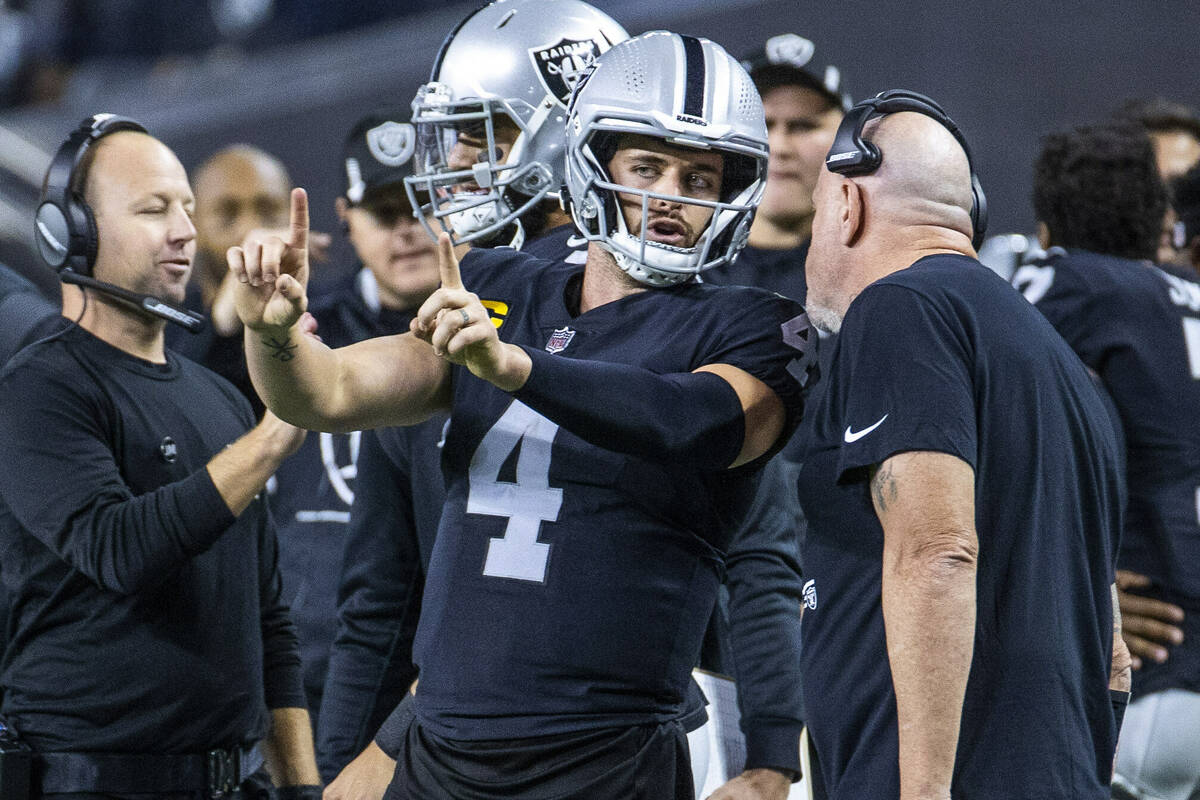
[
  {"x": 928, "y": 598},
  {"x": 389, "y": 380},
  {"x": 293, "y": 373},
  {"x": 288, "y": 748}
]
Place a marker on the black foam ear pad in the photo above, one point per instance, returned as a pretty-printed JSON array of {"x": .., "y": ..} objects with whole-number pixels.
[{"x": 92, "y": 240}]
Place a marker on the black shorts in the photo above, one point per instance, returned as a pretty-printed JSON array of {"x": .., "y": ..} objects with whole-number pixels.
[{"x": 648, "y": 762}]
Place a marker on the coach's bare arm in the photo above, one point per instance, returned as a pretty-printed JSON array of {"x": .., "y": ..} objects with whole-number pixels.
[
  {"x": 926, "y": 504},
  {"x": 390, "y": 380}
]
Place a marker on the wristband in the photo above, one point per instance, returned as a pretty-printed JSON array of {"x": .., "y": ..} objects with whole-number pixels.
[{"x": 1120, "y": 701}]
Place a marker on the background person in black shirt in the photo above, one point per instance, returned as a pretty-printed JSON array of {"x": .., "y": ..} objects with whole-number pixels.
[
  {"x": 803, "y": 103},
  {"x": 137, "y": 550},
  {"x": 1100, "y": 203}
]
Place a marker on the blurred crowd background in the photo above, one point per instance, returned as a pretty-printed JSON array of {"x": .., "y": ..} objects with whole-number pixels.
[{"x": 291, "y": 76}]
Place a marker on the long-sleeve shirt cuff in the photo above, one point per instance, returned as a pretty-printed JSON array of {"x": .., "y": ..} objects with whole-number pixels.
[
  {"x": 202, "y": 510},
  {"x": 774, "y": 744}
]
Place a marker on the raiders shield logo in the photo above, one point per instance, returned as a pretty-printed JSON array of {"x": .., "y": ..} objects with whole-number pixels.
[
  {"x": 392, "y": 143},
  {"x": 789, "y": 48},
  {"x": 560, "y": 65}
]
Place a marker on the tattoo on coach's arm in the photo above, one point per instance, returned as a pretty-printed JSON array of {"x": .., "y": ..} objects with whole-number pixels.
[
  {"x": 883, "y": 486},
  {"x": 280, "y": 349}
]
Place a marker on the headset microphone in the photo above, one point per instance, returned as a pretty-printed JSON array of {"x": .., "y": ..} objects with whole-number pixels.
[
  {"x": 65, "y": 228},
  {"x": 189, "y": 320}
]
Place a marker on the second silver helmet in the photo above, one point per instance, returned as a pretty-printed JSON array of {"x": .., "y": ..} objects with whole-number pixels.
[{"x": 498, "y": 91}]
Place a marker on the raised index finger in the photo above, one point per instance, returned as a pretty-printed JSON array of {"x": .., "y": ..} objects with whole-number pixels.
[
  {"x": 448, "y": 263},
  {"x": 299, "y": 223}
]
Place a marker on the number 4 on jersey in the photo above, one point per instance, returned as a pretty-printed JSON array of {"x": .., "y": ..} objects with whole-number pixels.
[{"x": 527, "y": 503}]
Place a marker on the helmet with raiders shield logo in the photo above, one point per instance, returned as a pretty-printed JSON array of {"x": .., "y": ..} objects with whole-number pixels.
[
  {"x": 490, "y": 122},
  {"x": 692, "y": 94}
]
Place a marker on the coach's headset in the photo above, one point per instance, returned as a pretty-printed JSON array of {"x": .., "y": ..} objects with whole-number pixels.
[
  {"x": 852, "y": 155},
  {"x": 65, "y": 228}
]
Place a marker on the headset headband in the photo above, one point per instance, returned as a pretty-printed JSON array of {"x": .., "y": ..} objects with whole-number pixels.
[{"x": 852, "y": 155}]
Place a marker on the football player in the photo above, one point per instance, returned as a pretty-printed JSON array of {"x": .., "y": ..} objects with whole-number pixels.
[
  {"x": 603, "y": 438},
  {"x": 490, "y": 138},
  {"x": 756, "y": 636},
  {"x": 1100, "y": 200}
]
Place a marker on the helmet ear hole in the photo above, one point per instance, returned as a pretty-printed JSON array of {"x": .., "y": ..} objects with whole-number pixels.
[{"x": 737, "y": 173}]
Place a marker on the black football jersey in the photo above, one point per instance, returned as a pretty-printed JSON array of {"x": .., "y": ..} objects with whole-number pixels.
[
  {"x": 570, "y": 585},
  {"x": 1138, "y": 327}
]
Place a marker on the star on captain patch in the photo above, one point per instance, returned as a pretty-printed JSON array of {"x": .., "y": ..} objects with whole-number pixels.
[{"x": 559, "y": 340}]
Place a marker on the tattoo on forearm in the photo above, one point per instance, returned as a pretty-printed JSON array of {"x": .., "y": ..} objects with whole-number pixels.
[
  {"x": 883, "y": 486},
  {"x": 280, "y": 349}
]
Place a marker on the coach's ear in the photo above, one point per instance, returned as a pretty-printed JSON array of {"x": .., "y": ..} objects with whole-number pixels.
[
  {"x": 851, "y": 212},
  {"x": 1043, "y": 236}
]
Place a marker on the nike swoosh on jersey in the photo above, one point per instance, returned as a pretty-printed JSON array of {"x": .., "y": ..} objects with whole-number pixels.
[
  {"x": 853, "y": 436},
  {"x": 576, "y": 241}
]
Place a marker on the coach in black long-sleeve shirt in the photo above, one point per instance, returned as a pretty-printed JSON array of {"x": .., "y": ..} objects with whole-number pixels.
[
  {"x": 140, "y": 559},
  {"x": 148, "y": 616}
]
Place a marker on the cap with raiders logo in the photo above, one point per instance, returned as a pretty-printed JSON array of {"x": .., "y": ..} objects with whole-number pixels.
[
  {"x": 378, "y": 152},
  {"x": 786, "y": 60}
]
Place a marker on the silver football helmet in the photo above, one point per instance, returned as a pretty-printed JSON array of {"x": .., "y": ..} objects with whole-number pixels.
[
  {"x": 519, "y": 59},
  {"x": 691, "y": 93}
]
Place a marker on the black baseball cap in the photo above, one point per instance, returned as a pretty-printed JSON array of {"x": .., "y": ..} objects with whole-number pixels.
[
  {"x": 378, "y": 153},
  {"x": 787, "y": 60}
]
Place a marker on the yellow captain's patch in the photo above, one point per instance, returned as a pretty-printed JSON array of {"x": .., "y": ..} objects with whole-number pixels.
[{"x": 497, "y": 311}]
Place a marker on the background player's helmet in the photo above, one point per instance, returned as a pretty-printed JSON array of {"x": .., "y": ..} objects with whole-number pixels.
[
  {"x": 519, "y": 58},
  {"x": 691, "y": 93}
]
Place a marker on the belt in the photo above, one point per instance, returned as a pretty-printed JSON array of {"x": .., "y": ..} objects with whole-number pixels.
[{"x": 217, "y": 773}]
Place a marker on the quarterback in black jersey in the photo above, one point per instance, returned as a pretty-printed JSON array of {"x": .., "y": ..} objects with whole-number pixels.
[
  {"x": 606, "y": 425},
  {"x": 963, "y": 498},
  {"x": 1137, "y": 327}
]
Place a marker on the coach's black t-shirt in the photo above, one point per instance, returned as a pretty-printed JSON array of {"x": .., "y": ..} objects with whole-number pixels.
[{"x": 946, "y": 357}]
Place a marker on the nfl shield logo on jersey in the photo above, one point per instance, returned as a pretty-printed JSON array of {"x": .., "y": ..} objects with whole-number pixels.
[
  {"x": 559, "y": 340},
  {"x": 560, "y": 65}
]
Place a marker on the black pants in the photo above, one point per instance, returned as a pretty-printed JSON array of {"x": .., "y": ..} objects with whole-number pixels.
[{"x": 648, "y": 762}]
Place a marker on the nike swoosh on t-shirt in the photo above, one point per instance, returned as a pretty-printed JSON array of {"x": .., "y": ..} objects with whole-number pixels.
[{"x": 853, "y": 436}]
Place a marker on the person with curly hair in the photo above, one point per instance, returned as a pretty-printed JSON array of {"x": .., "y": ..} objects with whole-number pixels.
[{"x": 1100, "y": 200}]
